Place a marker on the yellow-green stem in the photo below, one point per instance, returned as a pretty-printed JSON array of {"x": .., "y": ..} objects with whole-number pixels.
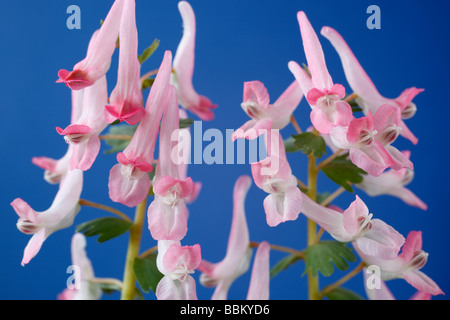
[
  {"x": 313, "y": 281},
  {"x": 129, "y": 279}
]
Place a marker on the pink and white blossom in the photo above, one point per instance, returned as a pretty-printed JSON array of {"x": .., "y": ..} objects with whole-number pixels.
[
  {"x": 274, "y": 175},
  {"x": 177, "y": 263},
  {"x": 373, "y": 236},
  {"x": 98, "y": 58},
  {"x": 393, "y": 183},
  {"x": 84, "y": 133},
  {"x": 406, "y": 265},
  {"x": 265, "y": 116},
  {"x": 183, "y": 65},
  {"x": 168, "y": 213},
  {"x": 259, "y": 288},
  {"x": 126, "y": 102},
  {"x": 84, "y": 287},
  {"x": 368, "y": 96},
  {"x": 129, "y": 182},
  {"x": 60, "y": 215},
  {"x": 237, "y": 259},
  {"x": 324, "y": 97}
]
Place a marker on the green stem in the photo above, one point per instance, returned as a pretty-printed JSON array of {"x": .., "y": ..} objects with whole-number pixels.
[
  {"x": 129, "y": 279},
  {"x": 313, "y": 281},
  {"x": 343, "y": 280}
]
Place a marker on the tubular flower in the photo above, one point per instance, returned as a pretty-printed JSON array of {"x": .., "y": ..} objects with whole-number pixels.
[
  {"x": 168, "y": 214},
  {"x": 84, "y": 288},
  {"x": 56, "y": 169},
  {"x": 365, "y": 150},
  {"x": 373, "y": 236},
  {"x": 59, "y": 216},
  {"x": 383, "y": 292},
  {"x": 260, "y": 278},
  {"x": 324, "y": 97},
  {"x": 237, "y": 259},
  {"x": 185, "y": 133},
  {"x": 177, "y": 263},
  {"x": 274, "y": 175},
  {"x": 368, "y": 96},
  {"x": 406, "y": 266},
  {"x": 129, "y": 182},
  {"x": 393, "y": 183},
  {"x": 266, "y": 116},
  {"x": 98, "y": 59},
  {"x": 126, "y": 99},
  {"x": 83, "y": 134},
  {"x": 183, "y": 65}
]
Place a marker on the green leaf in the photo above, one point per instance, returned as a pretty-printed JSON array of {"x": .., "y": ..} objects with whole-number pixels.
[
  {"x": 322, "y": 256},
  {"x": 105, "y": 228},
  {"x": 147, "y": 83},
  {"x": 290, "y": 146},
  {"x": 147, "y": 273},
  {"x": 283, "y": 264},
  {"x": 309, "y": 143},
  {"x": 149, "y": 51},
  {"x": 186, "y": 123},
  {"x": 118, "y": 145},
  {"x": 110, "y": 288},
  {"x": 343, "y": 294},
  {"x": 343, "y": 172}
]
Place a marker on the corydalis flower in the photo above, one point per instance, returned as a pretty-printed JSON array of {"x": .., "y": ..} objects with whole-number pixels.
[
  {"x": 324, "y": 97},
  {"x": 167, "y": 214},
  {"x": 84, "y": 288},
  {"x": 368, "y": 96},
  {"x": 183, "y": 65},
  {"x": 274, "y": 175},
  {"x": 237, "y": 259},
  {"x": 177, "y": 263},
  {"x": 373, "y": 236},
  {"x": 126, "y": 99},
  {"x": 129, "y": 182},
  {"x": 393, "y": 183},
  {"x": 260, "y": 278},
  {"x": 83, "y": 133},
  {"x": 383, "y": 292},
  {"x": 59, "y": 216},
  {"x": 266, "y": 116},
  {"x": 406, "y": 266},
  {"x": 98, "y": 59},
  {"x": 56, "y": 169}
]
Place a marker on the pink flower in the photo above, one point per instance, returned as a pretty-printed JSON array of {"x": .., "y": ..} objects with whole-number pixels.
[
  {"x": 373, "y": 236},
  {"x": 368, "y": 96},
  {"x": 84, "y": 288},
  {"x": 369, "y": 140},
  {"x": 98, "y": 59},
  {"x": 183, "y": 65},
  {"x": 129, "y": 182},
  {"x": 274, "y": 176},
  {"x": 56, "y": 169},
  {"x": 266, "y": 116},
  {"x": 168, "y": 214},
  {"x": 126, "y": 99},
  {"x": 260, "y": 278},
  {"x": 383, "y": 293},
  {"x": 393, "y": 183},
  {"x": 237, "y": 259},
  {"x": 406, "y": 266},
  {"x": 177, "y": 263},
  {"x": 324, "y": 97},
  {"x": 59, "y": 216},
  {"x": 83, "y": 133}
]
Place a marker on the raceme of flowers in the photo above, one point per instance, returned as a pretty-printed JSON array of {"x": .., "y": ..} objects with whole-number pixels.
[{"x": 367, "y": 142}]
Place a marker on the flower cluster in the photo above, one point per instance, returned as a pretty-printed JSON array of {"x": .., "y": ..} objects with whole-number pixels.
[{"x": 365, "y": 142}]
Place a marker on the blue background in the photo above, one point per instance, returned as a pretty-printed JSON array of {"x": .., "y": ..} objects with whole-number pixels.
[{"x": 237, "y": 41}]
